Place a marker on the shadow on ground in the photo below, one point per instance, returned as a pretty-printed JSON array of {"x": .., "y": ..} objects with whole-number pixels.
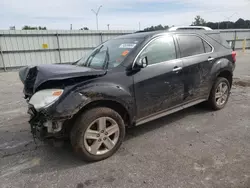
[{"x": 43, "y": 158}]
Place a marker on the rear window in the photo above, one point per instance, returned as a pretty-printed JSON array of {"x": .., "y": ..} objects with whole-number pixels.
[{"x": 219, "y": 39}]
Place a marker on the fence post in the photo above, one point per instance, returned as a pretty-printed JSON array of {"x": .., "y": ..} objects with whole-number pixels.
[
  {"x": 59, "y": 49},
  {"x": 235, "y": 38},
  {"x": 2, "y": 59},
  {"x": 101, "y": 37},
  {"x": 244, "y": 45}
]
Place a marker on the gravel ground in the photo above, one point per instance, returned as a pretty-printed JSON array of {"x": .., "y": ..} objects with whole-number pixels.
[{"x": 192, "y": 148}]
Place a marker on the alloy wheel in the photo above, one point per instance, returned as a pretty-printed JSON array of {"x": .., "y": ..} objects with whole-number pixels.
[
  {"x": 101, "y": 136},
  {"x": 221, "y": 94}
]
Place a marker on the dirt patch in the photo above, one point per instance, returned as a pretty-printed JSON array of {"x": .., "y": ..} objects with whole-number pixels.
[{"x": 242, "y": 83}]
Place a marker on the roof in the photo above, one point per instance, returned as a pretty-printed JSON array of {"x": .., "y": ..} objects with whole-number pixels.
[
  {"x": 138, "y": 35},
  {"x": 141, "y": 34}
]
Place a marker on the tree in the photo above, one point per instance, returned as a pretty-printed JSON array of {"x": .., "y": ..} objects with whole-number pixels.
[
  {"x": 198, "y": 21},
  {"x": 240, "y": 23},
  {"x": 84, "y": 28},
  {"x": 156, "y": 28},
  {"x": 26, "y": 27},
  {"x": 42, "y": 28}
]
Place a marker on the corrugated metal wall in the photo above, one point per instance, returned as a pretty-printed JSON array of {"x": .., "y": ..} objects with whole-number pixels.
[{"x": 20, "y": 48}]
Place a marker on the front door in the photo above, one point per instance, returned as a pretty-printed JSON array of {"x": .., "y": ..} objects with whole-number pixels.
[{"x": 159, "y": 86}]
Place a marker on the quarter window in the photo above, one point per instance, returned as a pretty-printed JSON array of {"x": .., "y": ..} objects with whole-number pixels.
[
  {"x": 190, "y": 45},
  {"x": 207, "y": 47},
  {"x": 160, "y": 50}
]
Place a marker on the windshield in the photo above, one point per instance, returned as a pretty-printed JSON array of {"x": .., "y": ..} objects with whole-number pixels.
[{"x": 109, "y": 54}]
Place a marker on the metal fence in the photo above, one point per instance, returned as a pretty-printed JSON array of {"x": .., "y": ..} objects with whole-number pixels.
[
  {"x": 21, "y": 48},
  {"x": 238, "y": 38}
]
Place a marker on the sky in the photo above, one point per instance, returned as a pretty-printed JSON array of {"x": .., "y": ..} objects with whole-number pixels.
[{"x": 120, "y": 15}]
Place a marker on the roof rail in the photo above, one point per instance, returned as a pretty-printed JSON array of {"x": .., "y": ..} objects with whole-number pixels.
[{"x": 190, "y": 28}]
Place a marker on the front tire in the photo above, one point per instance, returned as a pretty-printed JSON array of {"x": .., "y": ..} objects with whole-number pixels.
[
  {"x": 97, "y": 134},
  {"x": 219, "y": 94}
]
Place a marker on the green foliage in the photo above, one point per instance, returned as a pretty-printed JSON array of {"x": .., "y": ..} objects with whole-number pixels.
[
  {"x": 156, "y": 28},
  {"x": 198, "y": 21},
  {"x": 84, "y": 28},
  {"x": 26, "y": 27},
  {"x": 239, "y": 24}
]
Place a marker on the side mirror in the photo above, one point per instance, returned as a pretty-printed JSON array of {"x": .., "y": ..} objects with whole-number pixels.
[{"x": 142, "y": 62}]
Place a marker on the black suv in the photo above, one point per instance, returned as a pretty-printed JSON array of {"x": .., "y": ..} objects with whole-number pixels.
[{"x": 127, "y": 81}]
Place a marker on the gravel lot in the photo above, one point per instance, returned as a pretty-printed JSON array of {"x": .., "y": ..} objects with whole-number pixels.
[{"x": 192, "y": 148}]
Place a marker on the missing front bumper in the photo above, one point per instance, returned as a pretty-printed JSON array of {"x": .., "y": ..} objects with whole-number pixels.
[{"x": 43, "y": 127}]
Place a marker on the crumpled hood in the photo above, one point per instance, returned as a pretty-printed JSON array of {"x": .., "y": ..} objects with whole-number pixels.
[{"x": 33, "y": 77}]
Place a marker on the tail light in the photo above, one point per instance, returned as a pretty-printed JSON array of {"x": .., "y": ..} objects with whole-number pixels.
[{"x": 234, "y": 56}]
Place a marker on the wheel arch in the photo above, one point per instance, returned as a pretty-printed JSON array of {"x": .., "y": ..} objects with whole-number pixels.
[
  {"x": 226, "y": 74},
  {"x": 112, "y": 104}
]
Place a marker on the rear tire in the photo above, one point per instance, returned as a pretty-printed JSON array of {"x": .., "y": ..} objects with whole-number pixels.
[
  {"x": 97, "y": 134},
  {"x": 219, "y": 94}
]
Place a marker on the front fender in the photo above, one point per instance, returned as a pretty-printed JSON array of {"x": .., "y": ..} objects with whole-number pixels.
[{"x": 75, "y": 99}]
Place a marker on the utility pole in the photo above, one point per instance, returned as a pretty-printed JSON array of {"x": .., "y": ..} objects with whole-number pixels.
[
  {"x": 139, "y": 26},
  {"x": 108, "y": 26},
  {"x": 228, "y": 18},
  {"x": 96, "y": 14},
  {"x": 70, "y": 26}
]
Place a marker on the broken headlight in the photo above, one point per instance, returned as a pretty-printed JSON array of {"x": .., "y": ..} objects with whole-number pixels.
[{"x": 45, "y": 98}]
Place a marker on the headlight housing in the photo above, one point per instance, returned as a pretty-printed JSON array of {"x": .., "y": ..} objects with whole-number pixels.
[{"x": 45, "y": 98}]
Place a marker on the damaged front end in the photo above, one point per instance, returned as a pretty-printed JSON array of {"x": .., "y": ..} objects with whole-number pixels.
[
  {"x": 43, "y": 124},
  {"x": 43, "y": 127},
  {"x": 52, "y": 101}
]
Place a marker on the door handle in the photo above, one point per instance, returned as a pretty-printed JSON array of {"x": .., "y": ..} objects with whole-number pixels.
[
  {"x": 177, "y": 69},
  {"x": 210, "y": 59}
]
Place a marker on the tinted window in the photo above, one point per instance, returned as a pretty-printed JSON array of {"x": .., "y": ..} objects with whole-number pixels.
[
  {"x": 218, "y": 38},
  {"x": 110, "y": 54},
  {"x": 160, "y": 50},
  {"x": 190, "y": 45},
  {"x": 207, "y": 47}
]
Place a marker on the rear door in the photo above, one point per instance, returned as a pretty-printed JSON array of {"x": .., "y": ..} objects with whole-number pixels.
[
  {"x": 159, "y": 85},
  {"x": 198, "y": 57}
]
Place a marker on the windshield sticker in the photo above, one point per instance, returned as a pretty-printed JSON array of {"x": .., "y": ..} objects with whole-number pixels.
[
  {"x": 131, "y": 45},
  {"x": 125, "y": 53}
]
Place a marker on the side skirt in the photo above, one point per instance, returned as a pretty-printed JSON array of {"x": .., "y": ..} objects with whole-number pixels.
[{"x": 167, "y": 112}]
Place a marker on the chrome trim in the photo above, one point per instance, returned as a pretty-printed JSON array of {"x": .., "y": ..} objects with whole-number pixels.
[
  {"x": 202, "y": 39},
  {"x": 167, "y": 34},
  {"x": 189, "y": 104},
  {"x": 177, "y": 69},
  {"x": 210, "y": 59},
  {"x": 167, "y": 112}
]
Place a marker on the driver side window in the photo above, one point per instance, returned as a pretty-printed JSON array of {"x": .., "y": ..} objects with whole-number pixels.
[{"x": 159, "y": 50}]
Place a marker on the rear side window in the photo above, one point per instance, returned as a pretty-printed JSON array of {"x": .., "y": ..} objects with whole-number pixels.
[
  {"x": 159, "y": 50},
  {"x": 190, "y": 45}
]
